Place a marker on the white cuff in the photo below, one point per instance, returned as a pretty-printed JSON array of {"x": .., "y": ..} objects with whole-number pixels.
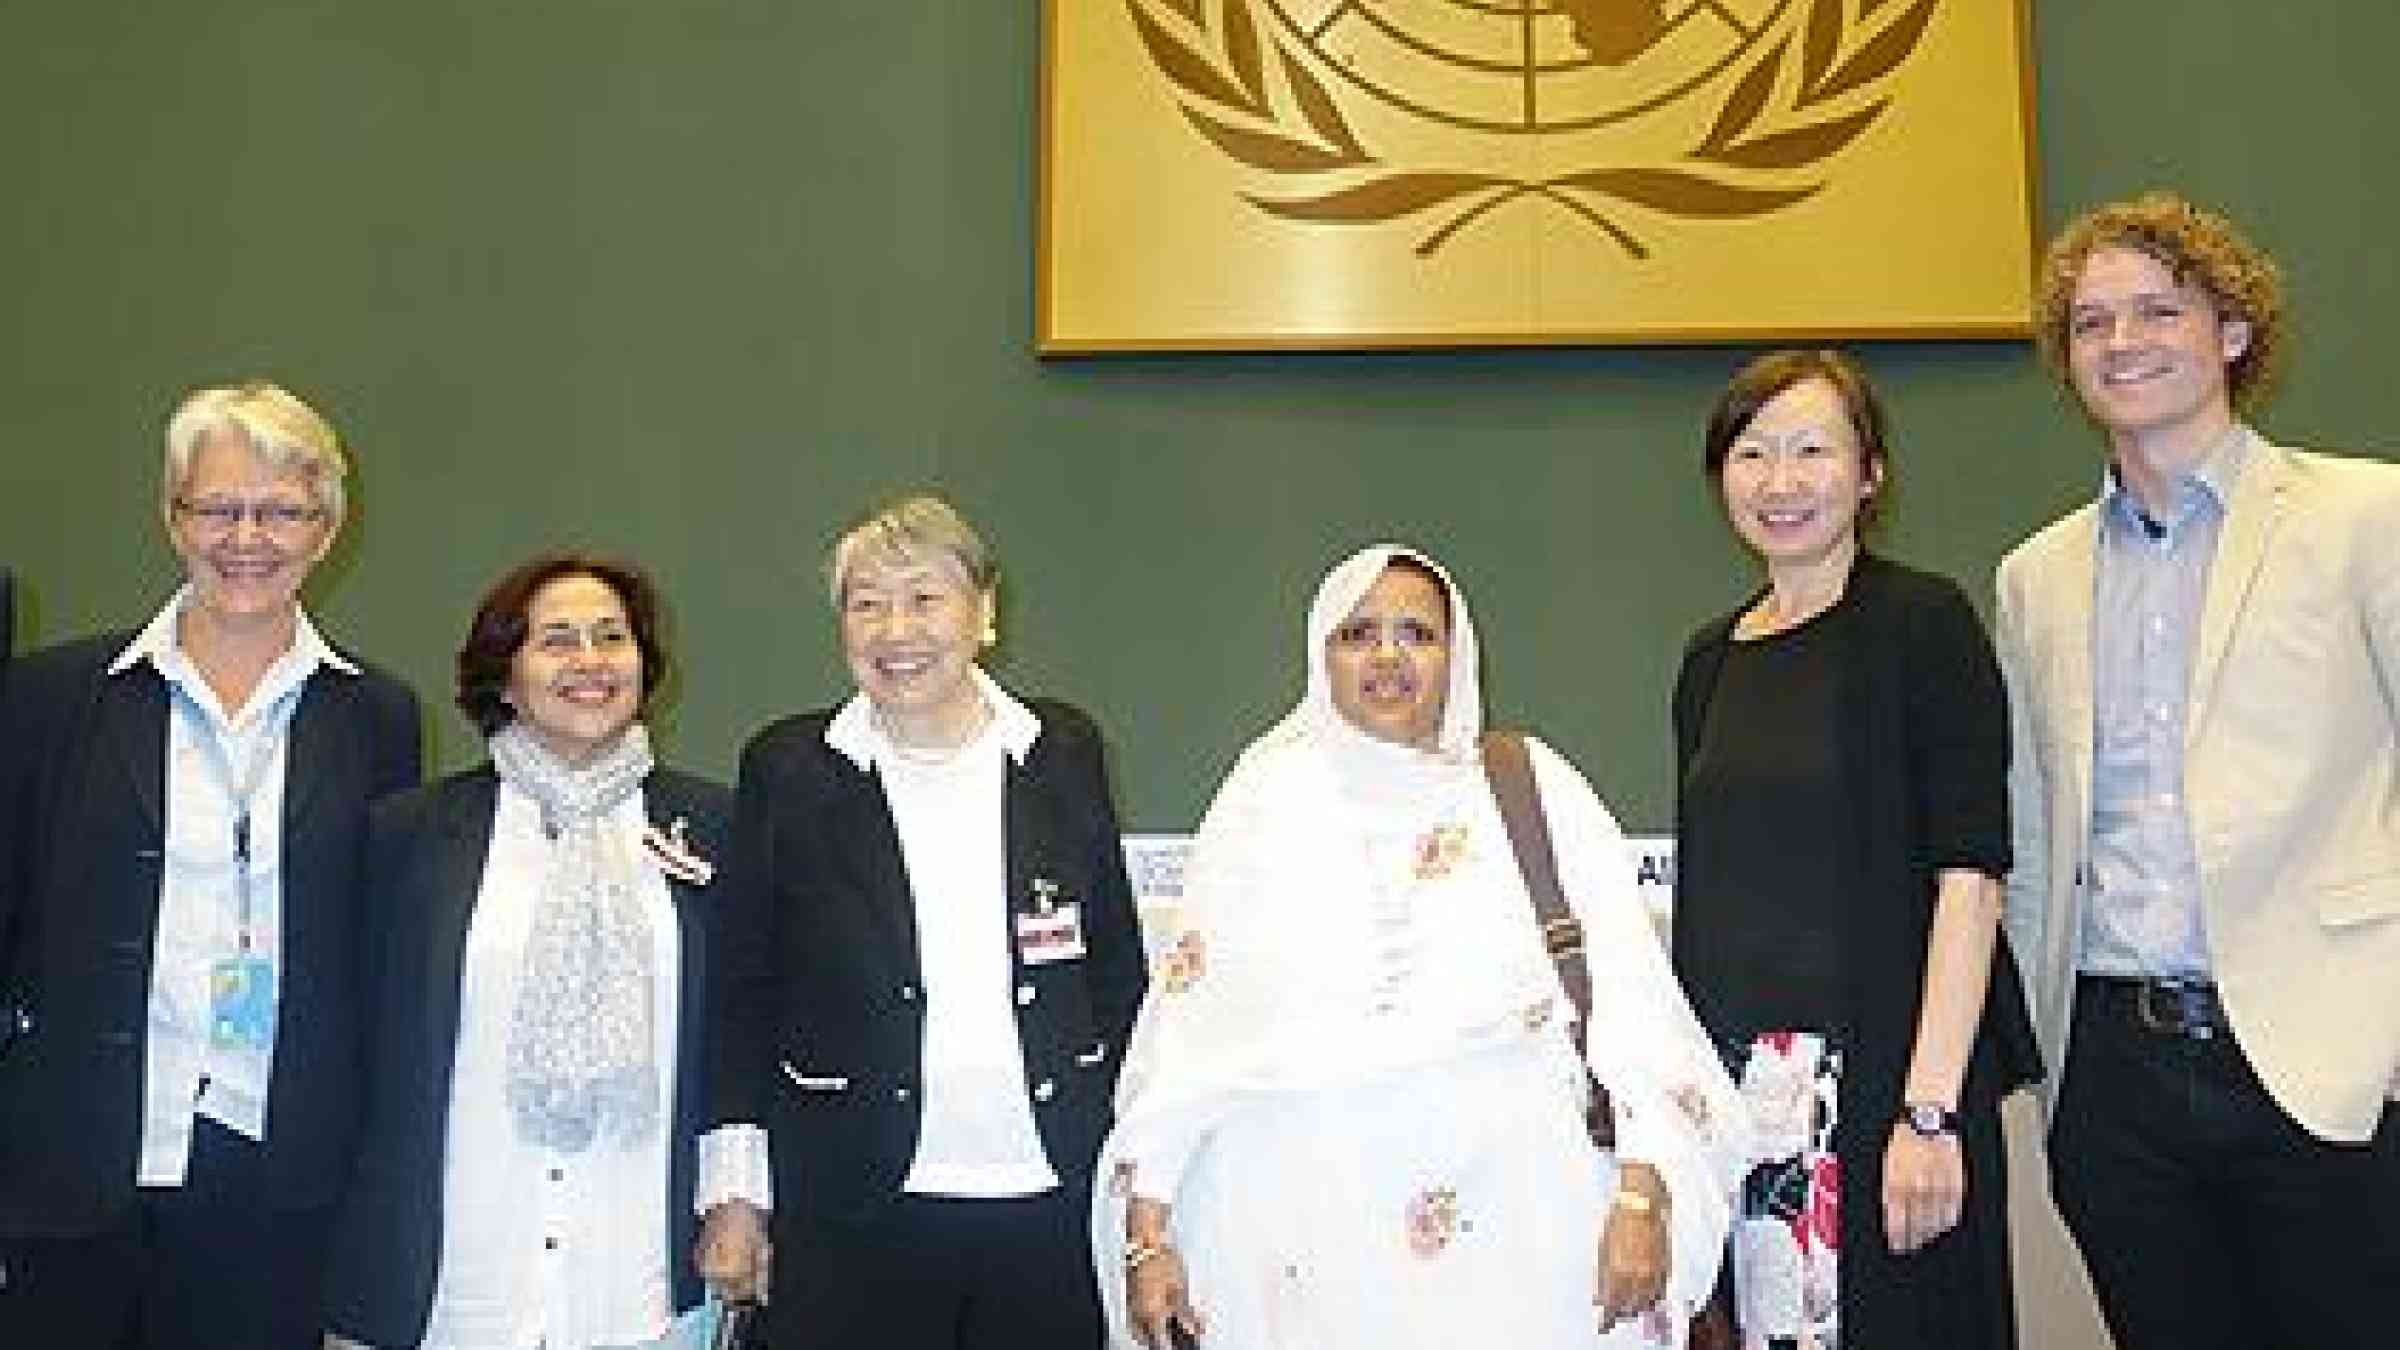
[{"x": 734, "y": 1165}]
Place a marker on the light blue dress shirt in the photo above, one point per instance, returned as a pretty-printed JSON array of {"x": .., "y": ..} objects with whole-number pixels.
[{"x": 2144, "y": 914}]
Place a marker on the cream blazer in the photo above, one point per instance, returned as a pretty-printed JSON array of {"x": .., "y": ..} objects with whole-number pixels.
[{"x": 2291, "y": 776}]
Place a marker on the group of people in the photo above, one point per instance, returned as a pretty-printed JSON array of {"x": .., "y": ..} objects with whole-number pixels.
[{"x": 298, "y": 1051}]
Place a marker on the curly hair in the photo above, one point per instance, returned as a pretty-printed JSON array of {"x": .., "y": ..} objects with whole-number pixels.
[{"x": 2200, "y": 248}]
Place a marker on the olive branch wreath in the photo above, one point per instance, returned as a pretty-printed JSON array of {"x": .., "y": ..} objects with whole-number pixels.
[{"x": 1246, "y": 92}]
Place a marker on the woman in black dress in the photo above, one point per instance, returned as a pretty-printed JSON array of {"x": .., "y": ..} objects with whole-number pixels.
[{"x": 1842, "y": 823}]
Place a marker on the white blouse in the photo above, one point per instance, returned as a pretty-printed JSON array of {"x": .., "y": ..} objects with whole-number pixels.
[
  {"x": 543, "y": 1250},
  {"x": 977, "y": 1136}
]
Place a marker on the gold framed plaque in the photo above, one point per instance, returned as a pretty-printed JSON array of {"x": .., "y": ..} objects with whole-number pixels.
[{"x": 1239, "y": 174}]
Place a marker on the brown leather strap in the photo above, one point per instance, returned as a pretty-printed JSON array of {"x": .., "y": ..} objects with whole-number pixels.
[{"x": 1509, "y": 767}]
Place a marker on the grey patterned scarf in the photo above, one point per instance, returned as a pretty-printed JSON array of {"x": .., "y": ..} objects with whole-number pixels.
[{"x": 581, "y": 1043}]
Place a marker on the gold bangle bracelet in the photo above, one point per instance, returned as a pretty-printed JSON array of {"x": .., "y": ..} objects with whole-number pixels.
[{"x": 1635, "y": 1202}]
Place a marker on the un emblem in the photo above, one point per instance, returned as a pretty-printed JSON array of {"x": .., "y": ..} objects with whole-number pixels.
[{"x": 1368, "y": 111}]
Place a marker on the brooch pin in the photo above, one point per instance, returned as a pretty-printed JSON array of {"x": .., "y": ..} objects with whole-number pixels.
[
  {"x": 1045, "y": 895},
  {"x": 671, "y": 849}
]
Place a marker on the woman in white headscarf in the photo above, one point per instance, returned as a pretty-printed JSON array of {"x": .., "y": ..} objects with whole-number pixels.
[{"x": 1353, "y": 1112}]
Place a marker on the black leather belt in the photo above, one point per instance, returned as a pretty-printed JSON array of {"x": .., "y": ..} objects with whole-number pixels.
[{"x": 2166, "y": 1006}]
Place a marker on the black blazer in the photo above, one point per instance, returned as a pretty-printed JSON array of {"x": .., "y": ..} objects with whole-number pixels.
[
  {"x": 82, "y": 833},
  {"x": 820, "y": 978},
  {"x": 429, "y": 849},
  {"x": 1914, "y": 659}
]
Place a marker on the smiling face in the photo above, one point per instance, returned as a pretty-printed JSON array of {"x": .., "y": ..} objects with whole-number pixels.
[
  {"x": 911, "y": 629},
  {"x": 1796, "y": 476},
  {"x": 576, "y": 683},
  {"x": 247, "y": 535},
  {"x": 2148, "y": 354},
  {"x": 1388, "y": 662}
]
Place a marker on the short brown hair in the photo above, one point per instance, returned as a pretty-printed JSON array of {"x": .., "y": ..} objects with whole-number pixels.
[
  {"x": 2200, "y": 248},
  {"x": 504, "y": 617}
]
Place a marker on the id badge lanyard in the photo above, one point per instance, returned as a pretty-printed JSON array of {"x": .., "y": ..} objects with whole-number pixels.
[
  {"x": 243, "y": 784},
  {"x": 242, "y": 987}
]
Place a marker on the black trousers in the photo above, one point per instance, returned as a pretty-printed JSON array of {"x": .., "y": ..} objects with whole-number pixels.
[
  {"x": 2206, "y": 1216},
  {"x": 938, "y": 1273},
  {"x": 211, "y": 1265}
]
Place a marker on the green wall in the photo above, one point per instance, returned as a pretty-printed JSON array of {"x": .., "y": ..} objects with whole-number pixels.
[{"x": 697, "y": 281}]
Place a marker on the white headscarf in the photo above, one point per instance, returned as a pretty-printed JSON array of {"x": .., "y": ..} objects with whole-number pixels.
[
  {"x": 1318, "y": 721},
  {"x": 1279, "y": 902}
]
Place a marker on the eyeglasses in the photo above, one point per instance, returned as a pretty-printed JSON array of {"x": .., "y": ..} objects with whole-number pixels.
[{"x": 224, "y": 517}]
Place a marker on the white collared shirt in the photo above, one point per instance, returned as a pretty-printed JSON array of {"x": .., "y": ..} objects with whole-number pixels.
[
  {"x": 977, "y": 1135},
  {"x": 186, "y": 1071},
  {"x": 542, "y": 1248}
]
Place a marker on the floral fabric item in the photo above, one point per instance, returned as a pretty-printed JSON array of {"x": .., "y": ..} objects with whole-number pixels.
[{"x": 1787, "y": 1237}]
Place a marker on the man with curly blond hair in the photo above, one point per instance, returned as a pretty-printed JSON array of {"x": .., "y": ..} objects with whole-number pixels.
[{"x": 2203, "y": 665}]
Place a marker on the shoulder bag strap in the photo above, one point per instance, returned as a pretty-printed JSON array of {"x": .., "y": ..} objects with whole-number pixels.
[{"x": 1509, "y": 767}]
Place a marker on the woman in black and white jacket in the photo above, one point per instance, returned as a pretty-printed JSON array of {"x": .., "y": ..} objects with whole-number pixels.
[{"x": 931, "y": 961}]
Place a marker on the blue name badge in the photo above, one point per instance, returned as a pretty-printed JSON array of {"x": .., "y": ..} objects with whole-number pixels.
[{"x": 241, "y": 1002}]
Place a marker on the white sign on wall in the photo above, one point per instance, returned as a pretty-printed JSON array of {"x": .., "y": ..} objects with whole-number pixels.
[{"x": 1156, "y": 863}]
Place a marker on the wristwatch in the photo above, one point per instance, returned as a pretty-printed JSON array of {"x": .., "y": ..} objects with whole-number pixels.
[{"x": 1929, "y": 1120}]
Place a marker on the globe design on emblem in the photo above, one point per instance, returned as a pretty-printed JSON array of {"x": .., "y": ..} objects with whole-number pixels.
[
  {"x": 1529, "y": 66},
  {"x": 1756, "y": 97}
]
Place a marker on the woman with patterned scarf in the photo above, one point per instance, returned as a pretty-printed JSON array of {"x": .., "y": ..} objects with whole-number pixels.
[{"x": 538, "y": 1042}]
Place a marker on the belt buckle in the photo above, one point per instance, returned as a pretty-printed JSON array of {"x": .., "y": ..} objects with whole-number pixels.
[{"x": 2183, "y": 1022}]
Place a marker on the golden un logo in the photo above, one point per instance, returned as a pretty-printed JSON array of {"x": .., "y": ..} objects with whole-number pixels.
[{"x": 1369, "y": 111}]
